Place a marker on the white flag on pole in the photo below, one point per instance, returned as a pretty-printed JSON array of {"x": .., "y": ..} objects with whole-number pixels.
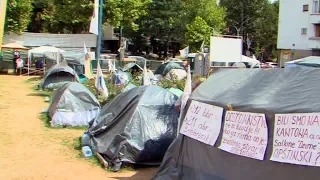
[
  {"x": 85, "y": 50},
  {"x": 184, "y": 52},
  {"x": 185, "y": 96},
  {"x": 94, "y": 20},
  {"x": 100, "y": 83},
  {"x": 146, "y": 80}
]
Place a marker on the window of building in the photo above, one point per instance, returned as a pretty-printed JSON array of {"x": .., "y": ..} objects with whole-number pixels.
[
  {"x": 304, "y": 31},
  {"x": 305, "y": 8},
  {"x": 316, "y": 7},
  {"x": 116, "y": 30},
  {"x": 317, "y": 29}
]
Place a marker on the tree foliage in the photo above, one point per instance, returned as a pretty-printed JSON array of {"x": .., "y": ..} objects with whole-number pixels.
[
  {"x": 256, "y": 18},
  {"x": 18, "y": 15},
  {"x": 195, "y": 35},
  {"x": 125, "y": 12},
  {"x": 201, "y": 17},
  {"x": 66, "y": 16}
]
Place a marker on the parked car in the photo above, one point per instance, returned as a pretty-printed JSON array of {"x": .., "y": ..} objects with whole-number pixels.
[{"x": 272, "y": 64}]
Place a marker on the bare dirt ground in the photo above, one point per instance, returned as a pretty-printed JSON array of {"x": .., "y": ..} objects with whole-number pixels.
[{"x": 29, "y": 150}]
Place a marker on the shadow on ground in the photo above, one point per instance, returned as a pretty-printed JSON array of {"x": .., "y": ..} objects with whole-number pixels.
[
  {"x": 142, "y": 173},
  {"x": 41, "y": 94}
]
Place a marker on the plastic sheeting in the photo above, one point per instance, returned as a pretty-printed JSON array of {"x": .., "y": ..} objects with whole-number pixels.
[
  {"x": 124, "y": 77},
  {"x": 73, "y": 105},
  {"x": 178, "y": 74},
  {"x": 137, "y": 126},
  {"x": 165, "y": 68},
  {"x": 293, "y": 90},
  {"x": 59, "y": 73}
]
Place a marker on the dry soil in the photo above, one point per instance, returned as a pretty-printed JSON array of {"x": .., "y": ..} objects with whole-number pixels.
[{"x": 29, "y": 150}]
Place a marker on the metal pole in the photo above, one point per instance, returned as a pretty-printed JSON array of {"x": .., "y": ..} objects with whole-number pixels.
[
  {"x": 121, "y": 47},
  {"x": 100, "y": 30}
]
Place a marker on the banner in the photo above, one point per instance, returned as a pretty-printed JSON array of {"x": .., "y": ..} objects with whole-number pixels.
[
  {"x": 245, "y": 134},
  {"x": 3, "y": 10},
  {"x": 202, "y": 122},
  {"x": 296, "y": 139}
]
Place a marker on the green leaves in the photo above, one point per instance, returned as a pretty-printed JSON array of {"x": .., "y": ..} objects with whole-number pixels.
[
  {"x": 18, "y": 15},
  {"x": 260, "y": 21},
  {"x": 125, "y": 12},
  {"x": 197, "y": 32}
]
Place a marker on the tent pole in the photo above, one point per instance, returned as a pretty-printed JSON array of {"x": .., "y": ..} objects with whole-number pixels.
[{"x": 28, "y": 65}]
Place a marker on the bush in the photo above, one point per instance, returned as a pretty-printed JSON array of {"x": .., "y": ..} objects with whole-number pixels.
[{"x": 114, "y": 89}]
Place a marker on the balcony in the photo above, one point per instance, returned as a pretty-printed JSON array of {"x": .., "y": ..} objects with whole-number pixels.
[
  {"x": 314, "y": 18},
  {"x": 314, "y": 43}
]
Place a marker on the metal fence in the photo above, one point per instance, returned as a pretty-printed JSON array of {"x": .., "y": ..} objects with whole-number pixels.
[{"x": 104, "y": 64}]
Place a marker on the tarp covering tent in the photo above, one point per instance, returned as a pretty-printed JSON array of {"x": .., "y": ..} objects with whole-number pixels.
[
  {"x": 247, "y": 90},
  {"x": 171, "y": 70},
  {"x": 137, "y": 126},
  {"x": 311, "y": 61},
  {"x": 176, "y": 91},
  {"x": 59, "y": 73},
  {"x": 123, "y": 77},
  {"x": 129, "y": 87},
  {"x": 130, "y": 66},
  {"x": 165, "y": 68},
  {"x": 73, "y": 105},
  {"x": 75, "y": 60}
]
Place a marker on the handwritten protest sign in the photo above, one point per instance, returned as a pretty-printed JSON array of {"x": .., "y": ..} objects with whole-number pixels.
[
  {"x": 296, "y": 139},
  {"x": 202, "y": 122},
  {"x": 245, "y": 134}
]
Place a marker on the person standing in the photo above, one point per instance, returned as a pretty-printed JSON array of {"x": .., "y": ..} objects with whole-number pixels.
[
  {"x": 19, "y": 66},
  {"x": 16, "y": 55}
]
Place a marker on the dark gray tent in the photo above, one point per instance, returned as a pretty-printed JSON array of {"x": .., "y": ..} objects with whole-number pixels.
[
  {"x": 59, "y": 73},
  {"x": 163, "y": 69},
  {"x": 271, "y": 91},
  {"x": 73, "y": 105},
  {"x": 137, "y": 126}
]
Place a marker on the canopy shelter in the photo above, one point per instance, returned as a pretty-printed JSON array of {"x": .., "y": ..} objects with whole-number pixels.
[
  {"x": 59, "y": 73},
  {"x": 270, "y": 92},
  {"x": 136, "y": 127},
  {"x": 7, "y": 62},
  {"x": 14, "y": 46},
  {"x": 37, "y": 56},
  {"x": 43, "y": 49},
  {"x": 73, "y": 105},
  {"x": 311, "y": 61}
]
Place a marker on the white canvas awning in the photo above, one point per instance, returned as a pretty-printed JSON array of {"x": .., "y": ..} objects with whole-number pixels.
[{"x": 44, "y": 49}]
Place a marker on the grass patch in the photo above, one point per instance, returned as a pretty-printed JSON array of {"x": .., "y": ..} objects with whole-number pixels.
[
  {"x": 46, "y": 119},
  {"x": 34, "y": 79},
  {"x": 94, "y": 160}
]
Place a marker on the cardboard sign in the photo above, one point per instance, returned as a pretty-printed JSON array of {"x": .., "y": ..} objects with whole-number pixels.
[
  {"x": 245, "y": 134},
  {"x": 202, "y": 122},
  {"x": 296, "y": 139}
]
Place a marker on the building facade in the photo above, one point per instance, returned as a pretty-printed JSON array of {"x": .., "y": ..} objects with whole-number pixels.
[
  {"x": 110, "y": 39},
  {"x": 299, "y": 29}
]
